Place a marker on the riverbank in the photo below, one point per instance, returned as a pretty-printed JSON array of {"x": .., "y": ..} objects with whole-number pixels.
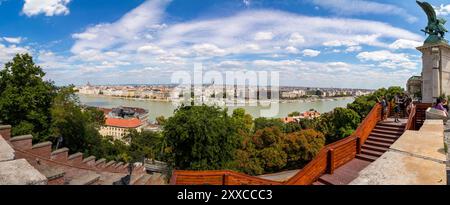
[
  {"x": 252, "y": 101},
  {"x": 166, "y": 109}
]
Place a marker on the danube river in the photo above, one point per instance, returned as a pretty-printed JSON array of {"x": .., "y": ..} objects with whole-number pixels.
[{"x": 166, "y": 108}]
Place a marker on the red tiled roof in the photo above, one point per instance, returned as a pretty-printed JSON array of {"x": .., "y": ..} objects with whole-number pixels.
[
  {"x": 288, "y": 119},
  {"x": 124, "y": 123}
]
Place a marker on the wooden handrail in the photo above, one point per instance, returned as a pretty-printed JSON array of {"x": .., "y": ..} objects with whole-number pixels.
[
  {"x": 225, "y": 176},
  {"x": 367, "y": 125}
]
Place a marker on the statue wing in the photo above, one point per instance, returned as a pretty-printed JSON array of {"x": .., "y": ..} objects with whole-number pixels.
[{"x": 429, "y": 10}]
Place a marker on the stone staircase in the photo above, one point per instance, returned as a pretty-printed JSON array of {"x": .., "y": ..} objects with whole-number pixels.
[{"x": 60, "y": 168}]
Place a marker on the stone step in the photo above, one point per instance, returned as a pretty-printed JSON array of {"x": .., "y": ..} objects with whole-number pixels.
[
  {"x": 20, "y": 172},
  {"x": 85, "y": 179},
  {"x": 371, "y": 153},
  {"x": 158, "y": 179},
  {"x": 110, "y": 179},
  {"x": 54, "y": 175},
  {"x": 383, "y": 127},
  {"x": 389, "y": 132},
  {"x": 135, "y": 178},
  {"x": 381, "y": 139},
  {"x": 379, "y": 144},
  {"x": 143, "y": 180},
  {"x": 366, "y": 157},
  {"x": 374, "y": 148},
  {"x": 388, "y": 124},
  {"x": 394, "y": 137}
]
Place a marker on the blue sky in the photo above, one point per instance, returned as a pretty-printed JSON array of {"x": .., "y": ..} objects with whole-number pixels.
[{"x": 325, "y": 43}]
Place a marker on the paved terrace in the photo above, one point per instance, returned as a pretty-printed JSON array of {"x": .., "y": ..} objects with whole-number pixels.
[{"x": 416, "y": 158}]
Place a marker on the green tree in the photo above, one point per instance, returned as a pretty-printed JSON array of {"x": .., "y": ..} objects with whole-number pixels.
[
  {"x": 161, "y": 120},
  {"x": 301, "y": 147},
  {"x": 270, "y": 150},
  {"x": 201, "y": 137},
  {"x": 79, "y": 128},
  {"x": 364, "y": 104},
  {"x": 338, "y": 124},
  {"x": 262, "y": 122},
  {"x": 144, "y": 144},
  {"x": 95, "y": 116},
  {"x": 262, "y": 153},
  {"x": 292, "y": 127},
  {"x": 308, "y": 123},
  {"x": 25, "y": 98},
  {"x": 293, "y": 114},
  {"x": 243, "y": 120},
  {"x": 112, "y": 149}
]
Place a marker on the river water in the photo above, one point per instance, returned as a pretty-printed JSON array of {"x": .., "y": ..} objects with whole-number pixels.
[{"x": 167, "y": 108}]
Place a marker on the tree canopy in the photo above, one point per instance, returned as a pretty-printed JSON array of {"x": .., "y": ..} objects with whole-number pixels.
[
  {"x": 25, "y": 98},
  {"x": 201, "y": 137},
  {"x": 338, "y": 124}
]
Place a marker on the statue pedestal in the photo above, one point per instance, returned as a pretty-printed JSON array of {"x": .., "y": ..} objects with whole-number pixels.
[{"x": 435, "y": 71}]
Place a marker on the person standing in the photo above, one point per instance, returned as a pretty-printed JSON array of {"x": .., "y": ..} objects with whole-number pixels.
[
  {"x": 408, "y": 105},
  {"x": 397, "y": 103},
  {"x": 402, "y": 105},
  {"x": 383, "y": 108}
]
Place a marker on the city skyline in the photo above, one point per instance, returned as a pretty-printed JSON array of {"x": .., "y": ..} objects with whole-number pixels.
[{"x": 336, "y": 43}]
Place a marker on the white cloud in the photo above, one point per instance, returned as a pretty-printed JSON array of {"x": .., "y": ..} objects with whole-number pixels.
[
  {"x": 14, "y": 40},
  {"x": 338, "y": 43},
  {"x": 388, "y": 59},
  {"x": 296, "y": 39},
  {"x": 358, "y": 7},
  {"x": 261, "y": 36},
  {"x": 353, "y": 49},
  {"x": 47, "y": 7},
  {"x": 7, "y": 53},
  {"x": 443, "y": 10},
  {"x": 372, "y": 40},
  {"x": 246, "y": 2},
  {"x": 208, "y": 49},
  {"x": 405, "y": 44},
  {"x": 230, "y": 64},
  {"x": 51, "y": 61},
  {"x": 382, "y": 56},
  {"x": 231, "y": 33},
  {"x": 152, "y": 49},
  {"x": 257, "y": 33},
  {"x": 338, "y": 64},
  {"x": 138, "y": 22},
  {"x": 84, "y": 36},
  {"x": 310, "y": 53},
  {"x": 291, "y": 49}
]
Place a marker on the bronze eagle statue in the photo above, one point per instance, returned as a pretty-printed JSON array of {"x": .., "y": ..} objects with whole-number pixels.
[{"x": 435, "y": 27}]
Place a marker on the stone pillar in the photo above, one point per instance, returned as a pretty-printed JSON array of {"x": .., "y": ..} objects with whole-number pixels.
[{"x": 435, "y": 71}]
